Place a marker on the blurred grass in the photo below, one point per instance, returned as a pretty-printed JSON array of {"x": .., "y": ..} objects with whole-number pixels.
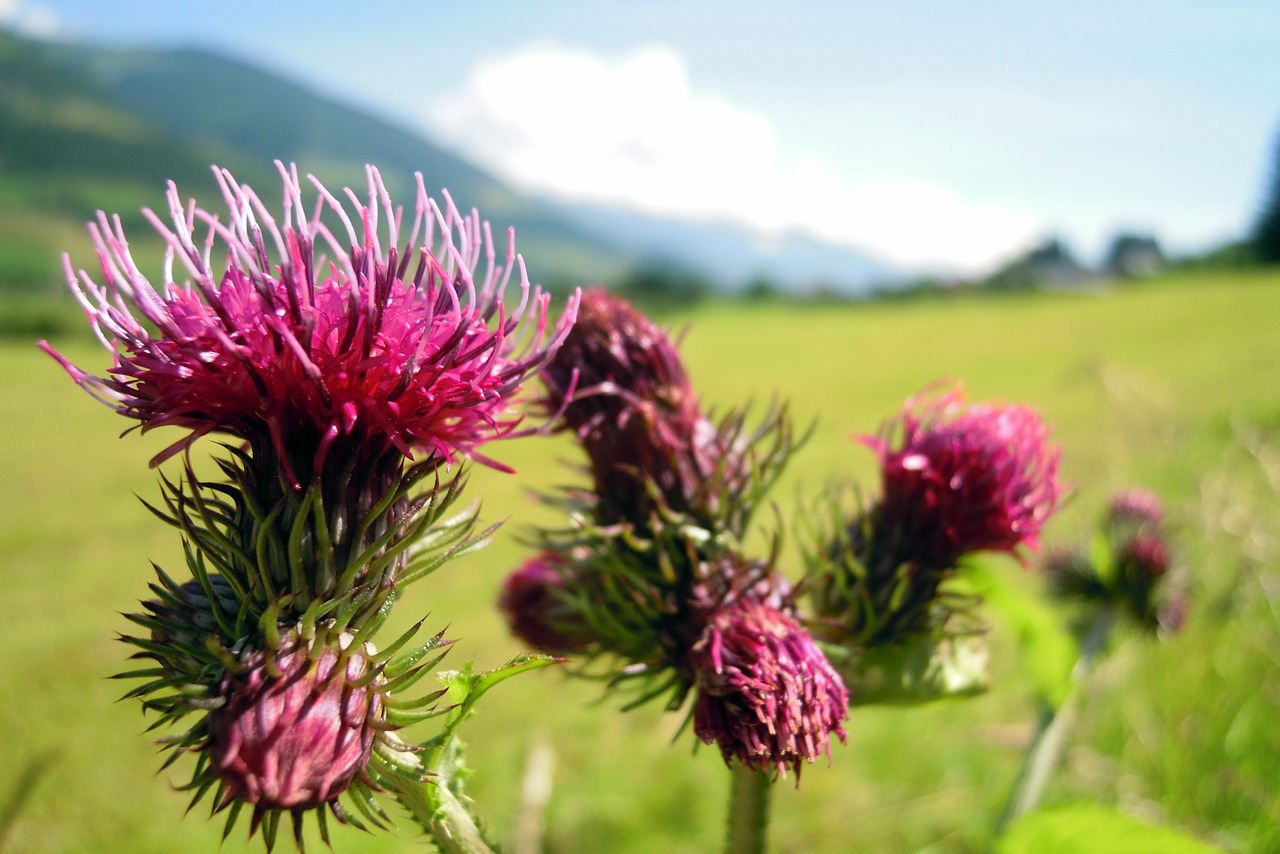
[{"x": 1170, "y": 384}]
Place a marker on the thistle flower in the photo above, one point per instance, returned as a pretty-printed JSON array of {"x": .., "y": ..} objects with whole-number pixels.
[
  {"x": 766, "y": 695},
  {"x": 406, "y": 345},
  {"x": 955, "y": 479},
  {"x": 538, "y": 602},
  {"x": 650, "y": 582},
  {"x": 349, "y": 381},
  {"x": 963, "y": 479}
]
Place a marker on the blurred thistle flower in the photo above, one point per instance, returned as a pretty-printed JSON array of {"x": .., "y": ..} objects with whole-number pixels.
[
  {"x": 350, "y": 382},
  {"x": 962, "y": 478},
  {"x": 955, "y": 479},
  {"x": 1127, "y": 568},
  {"x": 538, "y": 600},
  {"x": 1135, "y": 508},
  {"x": 405, "y": 346},
  {"x": 766, "y": 694}
]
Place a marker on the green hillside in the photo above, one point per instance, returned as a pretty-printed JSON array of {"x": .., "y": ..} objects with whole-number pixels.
[{"x": 84, "y": 128}]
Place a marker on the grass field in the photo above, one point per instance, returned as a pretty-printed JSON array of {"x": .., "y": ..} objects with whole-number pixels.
[{"x": 1173, "y": 385}]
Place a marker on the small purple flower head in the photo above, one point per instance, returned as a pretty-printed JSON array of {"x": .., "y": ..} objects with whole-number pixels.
[
  {"x": 297, "y": 727},
  {"x": 407, "y": 344},
  {"x": 964, "y": 478},
  {"x": 622, "y": 388},
  {"x": 537, "y": 602},
  {"x": 766, "y": 694}
]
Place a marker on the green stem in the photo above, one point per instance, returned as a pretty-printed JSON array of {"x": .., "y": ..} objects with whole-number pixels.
[
  {"x": 748, "y": 811},
  {"x": 438, "y": 810},
  {"x": 1046, "y": 748}
]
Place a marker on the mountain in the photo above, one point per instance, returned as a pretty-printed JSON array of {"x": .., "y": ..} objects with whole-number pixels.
[
  {"x": 83, "y": 127},
  {"x": 731, "y": 256}
]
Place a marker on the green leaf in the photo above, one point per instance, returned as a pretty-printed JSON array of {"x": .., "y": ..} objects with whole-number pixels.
[
  {"x": 920, "y": 671},
  {"x": 1094, "y": 827},
  {"x": 466, "y": 687},
  {"x": 1049, "y": 652},
  {"x": 441, "y": 805}
]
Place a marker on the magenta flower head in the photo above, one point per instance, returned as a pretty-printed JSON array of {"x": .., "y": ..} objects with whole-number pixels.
[
  {"x": 298, "y": 340},
  {"x": 955, "y": 479},
  {"x": 295, "y": 730},
  {"x": 622, "y": 388},
  {"x": 960, "y": 478},
  {"x": 766, "y": 694},
  {"x": 539, "y": 602}
]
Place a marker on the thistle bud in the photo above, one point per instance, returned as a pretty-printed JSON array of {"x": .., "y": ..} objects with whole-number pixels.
[
  {"x": 1143, "y": 559},
  {"x": 623, "y": 389},
  {"x": 182, "y": 619},
  {"x": 298, "y": 725},
  {"x": 537, "y": 600},
  {"x": 766, "y": 694},
  {"x": 1135, "y": 576}
]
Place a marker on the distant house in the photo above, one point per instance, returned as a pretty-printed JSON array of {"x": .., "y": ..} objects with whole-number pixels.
[
  {"x": 1135, "y": 256},
  {"x": 1049, "y": 265}
]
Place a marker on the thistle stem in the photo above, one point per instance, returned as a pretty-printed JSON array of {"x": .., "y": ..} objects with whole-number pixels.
[
  {"x": 748, "y": 811},
  {"x": 439, "y": 811},
  {"x": 1055, "y": 725}
]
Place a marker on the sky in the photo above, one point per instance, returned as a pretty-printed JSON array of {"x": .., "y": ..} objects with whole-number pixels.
[{"x": 935, "y": 136}]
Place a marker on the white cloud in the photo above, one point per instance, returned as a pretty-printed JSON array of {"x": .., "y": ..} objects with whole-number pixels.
[
  {"x": 30, "y": 19},
  {"x": 632, "y": 129}
]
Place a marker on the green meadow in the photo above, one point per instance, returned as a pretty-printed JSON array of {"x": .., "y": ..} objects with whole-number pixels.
[{"x": 1173, "y": 385}]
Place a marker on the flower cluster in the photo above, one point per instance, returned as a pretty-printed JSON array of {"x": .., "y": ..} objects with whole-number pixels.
[
  {"x": 348, "y": 370},
  {"x": 955, "y": 479},
  {"x": 650, "y": 579},
  {"x": 1128, "y": 566}
]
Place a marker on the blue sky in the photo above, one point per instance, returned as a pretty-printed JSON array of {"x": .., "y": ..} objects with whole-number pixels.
[{"x": 931, "y": 134}]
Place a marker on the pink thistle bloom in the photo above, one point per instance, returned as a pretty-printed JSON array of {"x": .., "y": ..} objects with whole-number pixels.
[
  {"x": 622, "y": 388},
  {"x": 536, "y": 600},
  {"x": 766, "y": 693},
  {"x": 406, "y": 342},
  {"x": 964, "y": 478},
  {"x": 295, "y": 731}
]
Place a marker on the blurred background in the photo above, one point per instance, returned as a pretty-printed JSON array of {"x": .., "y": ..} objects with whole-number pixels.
[{"x": 1073, "y": 205}]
